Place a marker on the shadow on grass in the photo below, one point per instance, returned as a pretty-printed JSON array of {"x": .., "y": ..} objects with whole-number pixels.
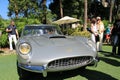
[
  {"x": 87, "y": 74},
  {"x": 110, "y": 61},
  {"x": 106, "y": 53},
  {"x": 109, "y": 54}
]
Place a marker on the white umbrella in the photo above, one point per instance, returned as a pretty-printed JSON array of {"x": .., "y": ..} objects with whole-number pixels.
[{"x": 66, "y": 20}]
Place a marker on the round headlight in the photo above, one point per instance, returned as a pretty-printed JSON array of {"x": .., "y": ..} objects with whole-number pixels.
[{"x": 24, "y": 48}]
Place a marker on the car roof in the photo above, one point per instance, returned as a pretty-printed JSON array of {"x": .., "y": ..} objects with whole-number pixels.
[{"x": 38, "y": 26}]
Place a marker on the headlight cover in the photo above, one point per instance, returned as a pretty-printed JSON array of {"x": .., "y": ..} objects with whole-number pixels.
[{"x": 24, "y": 48}]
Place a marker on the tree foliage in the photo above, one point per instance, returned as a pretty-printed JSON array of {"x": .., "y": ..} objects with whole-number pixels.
[
  {"x": 72, "y": 8},
  {"x": 75, "y": 8},
  {"x": 24, "y": 8}
]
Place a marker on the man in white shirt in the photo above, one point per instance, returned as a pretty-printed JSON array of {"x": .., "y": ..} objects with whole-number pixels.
[{"x": 101, "y": 29}]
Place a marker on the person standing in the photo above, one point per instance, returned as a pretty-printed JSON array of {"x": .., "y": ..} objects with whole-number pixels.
[
  {"x": 94, "y": 31},
  {"x": 115, "y": 35},
  {"x": 100, "y": 26},
  {"x": 12, "y": 34},
  {"x": 107, "y": 34}
]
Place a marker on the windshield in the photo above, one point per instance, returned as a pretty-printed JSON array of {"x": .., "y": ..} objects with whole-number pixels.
[{"x": 40, "y": 30}]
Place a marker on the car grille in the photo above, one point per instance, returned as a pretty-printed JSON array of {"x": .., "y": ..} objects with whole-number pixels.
[{"x": 70, "y": 62}]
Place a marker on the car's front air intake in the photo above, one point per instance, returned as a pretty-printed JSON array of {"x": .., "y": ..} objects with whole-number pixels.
[{"x": 70, "y": 62}]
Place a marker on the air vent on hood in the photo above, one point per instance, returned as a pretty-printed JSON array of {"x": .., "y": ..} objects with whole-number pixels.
[{"x": 57, "y": 37}]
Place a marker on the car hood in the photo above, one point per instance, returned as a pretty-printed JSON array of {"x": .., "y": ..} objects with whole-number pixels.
[
  {"x": 46, "y": 49},
  {"x": 52, "y": 42}
]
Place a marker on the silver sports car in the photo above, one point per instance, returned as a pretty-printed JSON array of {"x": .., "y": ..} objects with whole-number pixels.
[{"x": 43, "y": 48}]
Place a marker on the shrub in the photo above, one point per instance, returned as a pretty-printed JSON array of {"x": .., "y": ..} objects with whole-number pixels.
[
  {"x": 82, "y": 33},
  {"x": 106, "y": 22},
  {"x": 3, "y": 40}
]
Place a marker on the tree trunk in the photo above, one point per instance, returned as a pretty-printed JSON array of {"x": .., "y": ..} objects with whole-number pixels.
[
  {"x": 44, "y": 11},
  {"x": 85, "y": 15},
  {"x": 111, "y": 10},
  {"x": 16, "y": 10},
  {"x": 61, "y": 9}
]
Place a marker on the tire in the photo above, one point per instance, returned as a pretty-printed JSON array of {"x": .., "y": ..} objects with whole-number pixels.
[
  {"x": 83, "y": 68},
  {"x": 23, "y": 74}
]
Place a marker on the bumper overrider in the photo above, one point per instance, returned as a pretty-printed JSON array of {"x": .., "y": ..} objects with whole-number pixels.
[
  {"x": 47, "y": 68},
  {"x": 34, "y": 68}
]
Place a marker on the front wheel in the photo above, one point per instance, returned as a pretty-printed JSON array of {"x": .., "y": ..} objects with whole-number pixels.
[{"x": 23, "y": 74}]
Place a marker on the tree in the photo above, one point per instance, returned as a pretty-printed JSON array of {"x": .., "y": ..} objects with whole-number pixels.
[
  {"x": 73, "y": 8},
  {"x": 117, "y": 7},
  {"x": 44, "y": 7},
  {"x": 13, "y": 8},
  {"x": 85, "y": 14},
  {"x": 61, "y": 9},
  {"x": 24, "y": 8},
  {"x": 55, "y": 8},
  {"x": 111, "y": 10}
]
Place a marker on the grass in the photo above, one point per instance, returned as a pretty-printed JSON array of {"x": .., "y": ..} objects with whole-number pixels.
[
  {"x": 8, "y": 67},
  {"x": 108, "y": 69}
]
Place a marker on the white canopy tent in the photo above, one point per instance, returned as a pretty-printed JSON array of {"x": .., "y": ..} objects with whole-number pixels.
[{"x": 66, "y": 20}]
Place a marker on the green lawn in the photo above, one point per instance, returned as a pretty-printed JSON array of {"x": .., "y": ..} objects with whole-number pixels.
[
  {"x": 108, "y": 69},
  {"x": 8, "y": 67}
]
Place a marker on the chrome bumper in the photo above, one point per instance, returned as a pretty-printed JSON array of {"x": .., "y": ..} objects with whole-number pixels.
[
  {"x": 39, "y": 69},
  {"x": 43, "y": 69}
]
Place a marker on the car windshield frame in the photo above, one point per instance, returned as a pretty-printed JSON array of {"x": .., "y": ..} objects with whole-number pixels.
[{"x": 40, "y": 30}]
